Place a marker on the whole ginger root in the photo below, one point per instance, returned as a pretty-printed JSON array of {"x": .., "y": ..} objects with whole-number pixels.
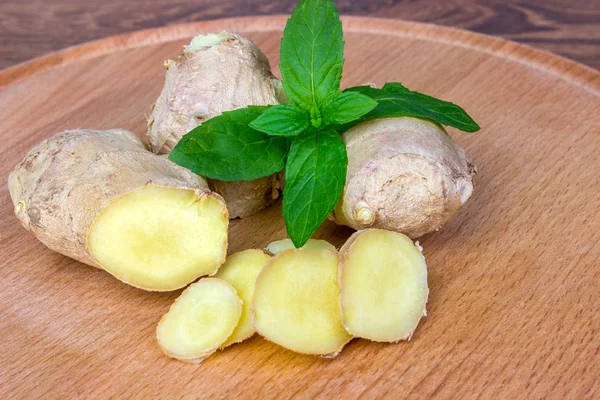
[
  {"x": 216, "y": 73},
  {"x": 404, "y": 174}
]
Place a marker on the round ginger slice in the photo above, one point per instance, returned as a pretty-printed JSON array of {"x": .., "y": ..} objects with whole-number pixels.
[
  {"x": 296, "y": 303},
  {"x": 240, "y": 270},
  {"x": 199, "y": 321},
  {"x": 383, "y": 285},
  {"x": 160, "y": 238},
  {"x": 280, "y": 246}
]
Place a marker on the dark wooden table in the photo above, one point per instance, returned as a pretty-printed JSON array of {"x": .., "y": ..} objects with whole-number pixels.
[{"x": 30, "y": 28}]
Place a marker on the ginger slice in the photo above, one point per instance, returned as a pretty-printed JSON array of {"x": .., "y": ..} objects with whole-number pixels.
[
  {"x": 160, "y": 238},
  {"x": 240, "y": 270},
  {"x": 200, "y": 320},
  {"x": 383, "y": 285},
  {"x": 296, "y": 303},
  {"x": 280, "y": 246}
]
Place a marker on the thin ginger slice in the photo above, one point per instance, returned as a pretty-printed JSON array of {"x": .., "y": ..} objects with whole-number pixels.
[
  {"x": 296, "y": 302},
  {"x": 240, "y": 270},
  {"x": 160, "y": 238},
  {"x": 383, "y": 285},
  {"x": 200, "y": 320},
  {"x": 280, "y": 246}
]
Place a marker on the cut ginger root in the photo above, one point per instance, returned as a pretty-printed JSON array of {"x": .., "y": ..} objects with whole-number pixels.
[
  {"x": 383, "y": 285},
  {"x": 240, "y": 270},
  {"x": 101, "y": 198},
  {"x": 296, "y": 303},
  {"x": 199, "y": 321},
  {"x": 280, "y": 246}
]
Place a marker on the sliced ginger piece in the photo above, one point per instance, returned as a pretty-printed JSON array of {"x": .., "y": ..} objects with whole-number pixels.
[
  {"x": 296, "y": 302},
  {"x": 280, "y": 246},
  {"x": 200, "y": 320},
  {"x": 240, "y": 270},
  {"x": 383, "y": 285},
  {"x": 160, "y": 238}
]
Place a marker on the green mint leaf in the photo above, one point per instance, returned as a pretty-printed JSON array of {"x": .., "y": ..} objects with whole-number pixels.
[
  {"x": 347, "y": 107},
  {"x": 312, "y": 53},
  {"x": 282, "y": 120},
  {"x": 226, "y": 148},
  {"x": 395, "y": 100},
  {"x": 315, "y": 175}
]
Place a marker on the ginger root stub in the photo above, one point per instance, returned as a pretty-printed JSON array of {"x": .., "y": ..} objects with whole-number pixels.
[
  {"x": 217, "y": 72},
  {"x": 404, "y": 174},
  {"x": 101, "y": 198}
]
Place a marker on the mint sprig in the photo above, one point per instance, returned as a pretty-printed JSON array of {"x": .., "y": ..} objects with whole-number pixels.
[
  {"x": 226, "y": 148},
  {"x": 315, "y": 174},
  {"x": 347, "y": 107},
  {"x": 395, "y": 100},
  {"x": 304, "y": 135},
  {"x": 312, "y": 53},
  {"x": 282, "y": 120}
]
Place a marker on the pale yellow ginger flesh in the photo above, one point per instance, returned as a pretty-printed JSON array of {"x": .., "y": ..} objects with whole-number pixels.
[
  {"x": 296, "y": 303},
  {"x": 200, "y": 320},
  {"x": 383, "y": 285},
  {"x": 240, "y": 270},
  {"x": 160, "y": 237},
  {"x": 280, "y": 246}
]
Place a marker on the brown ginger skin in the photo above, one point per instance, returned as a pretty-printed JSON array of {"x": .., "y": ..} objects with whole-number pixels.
[
  {"x": 202, "y": 83},
  {"x": 404, "y": 174}
]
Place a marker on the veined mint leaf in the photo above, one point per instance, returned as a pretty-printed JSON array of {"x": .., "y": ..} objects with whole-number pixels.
[
  {"x": 347, "y": 107},
  {"x": 395, "y": 100},
  {"x": 312, "y": 53},
  {"x": 282, "y": 120},
  {"x": 226, "y": 148},
  {"x": 315, "y": 175}
]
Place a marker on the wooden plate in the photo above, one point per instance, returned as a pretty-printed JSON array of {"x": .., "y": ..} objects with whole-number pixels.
[{"x": 514, "y": 278}]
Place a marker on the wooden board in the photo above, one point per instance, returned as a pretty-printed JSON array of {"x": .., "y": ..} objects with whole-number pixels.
[{"x": 514, "y": 310}]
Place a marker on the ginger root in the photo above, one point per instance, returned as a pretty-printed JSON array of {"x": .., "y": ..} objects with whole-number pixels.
[
  {"x": 240, "y": 270},
  {"x": 101, "y": 198},
  {"x": 383, "y": 285},
  {"x": 216, "y": 73},
  {"x": 280, "y": 246},
  {"x": 296, "y": 303},
  {"x": 404, "y": 174},
  {"x": 199, "y": 321}
]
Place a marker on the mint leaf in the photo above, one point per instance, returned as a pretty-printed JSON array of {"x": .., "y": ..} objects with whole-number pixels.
[
  {"x": 395, "y": 100},
  {"x": 312, "y": 53},
  {"x": 226, "y": 148},
  {"x": 347, "y": 107},
  {"x": 282, "y": 120},
  {"x": 315, "y": 175}
]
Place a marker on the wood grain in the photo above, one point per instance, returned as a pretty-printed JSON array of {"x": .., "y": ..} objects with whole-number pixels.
[
  {"x": 514, "y": 278},
  {"x": 31, "y": 28}
]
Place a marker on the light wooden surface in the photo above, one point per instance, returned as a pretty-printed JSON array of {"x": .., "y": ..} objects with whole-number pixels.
[{"x": 514, "y": 310}]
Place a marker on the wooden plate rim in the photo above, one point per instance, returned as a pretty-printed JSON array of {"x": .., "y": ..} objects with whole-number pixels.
[{"x": 578, "y": 74}]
